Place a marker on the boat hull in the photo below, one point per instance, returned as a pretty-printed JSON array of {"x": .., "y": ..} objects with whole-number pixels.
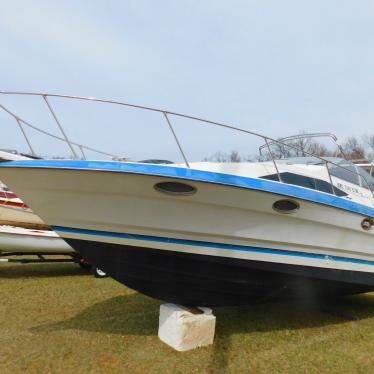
[
  {"x": 114, "y": 217},
  {"x": 21, "y": 217},
  {"x": 19, "y": 240},
  {"x": 191, "y": 279}
]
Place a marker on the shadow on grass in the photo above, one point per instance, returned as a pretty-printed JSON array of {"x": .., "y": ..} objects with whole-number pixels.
[
  {"x": 133, "y": 314},
  {"x": 137, "y": 314},
  {"x": 41, "y": 270}
]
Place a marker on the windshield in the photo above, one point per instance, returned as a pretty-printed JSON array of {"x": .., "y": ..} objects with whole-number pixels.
[
  {"x": 351, "y": 173},
  {"x": 346, "y": 170}
]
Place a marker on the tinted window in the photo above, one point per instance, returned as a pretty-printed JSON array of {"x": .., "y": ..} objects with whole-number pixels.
[
  {"x": 367, "y": 178},
  {"x": 308, "y": 182},
  {"x": 349, "y": 173}
]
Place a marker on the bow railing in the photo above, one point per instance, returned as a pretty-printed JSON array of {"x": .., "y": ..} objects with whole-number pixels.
[{"x": 167, "y": 115}]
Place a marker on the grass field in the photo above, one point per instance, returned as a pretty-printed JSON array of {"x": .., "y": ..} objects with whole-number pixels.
[{"x": 57, "y": 318}]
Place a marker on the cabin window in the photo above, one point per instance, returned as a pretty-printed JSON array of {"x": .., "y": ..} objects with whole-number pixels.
[{"x": 308, "y": 182}]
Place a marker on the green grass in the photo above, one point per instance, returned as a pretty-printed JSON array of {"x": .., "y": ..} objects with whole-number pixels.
[{"x": 57, "y": 318}]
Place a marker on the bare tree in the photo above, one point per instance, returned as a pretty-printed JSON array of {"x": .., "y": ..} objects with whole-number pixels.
[
  {"x": 252, "y": 158},
  {"x": 320, "y": 149},
  {"x": 233, "y": 156},
  {"x": 300, "y": 147},
  {"x": 353, "y": 149},
  {"x": 369, "y": 140}
]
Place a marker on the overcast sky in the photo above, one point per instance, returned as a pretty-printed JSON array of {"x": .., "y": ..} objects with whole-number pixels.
[{"x": 270, "y": 66}]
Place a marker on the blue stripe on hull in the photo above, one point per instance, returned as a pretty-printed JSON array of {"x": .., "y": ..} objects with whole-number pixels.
[
  {"x": 199, "y": 176},
  {"x": 158, "y": 239}
]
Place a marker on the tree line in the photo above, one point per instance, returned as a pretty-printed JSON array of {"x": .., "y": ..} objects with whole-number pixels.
[{"x": 353, "y": 148}]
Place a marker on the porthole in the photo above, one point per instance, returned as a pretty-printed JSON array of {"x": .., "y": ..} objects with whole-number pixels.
[
  {"x": 175, "y": 188},
  {"x": 286, "y": 206},
  {"x": 367, "y": 223}
]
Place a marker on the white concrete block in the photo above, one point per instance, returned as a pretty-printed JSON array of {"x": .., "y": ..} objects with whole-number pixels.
[{"x": 186, "y": 328}]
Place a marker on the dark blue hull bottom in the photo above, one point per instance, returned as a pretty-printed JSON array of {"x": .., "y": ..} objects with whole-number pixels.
[{"x": 198, "y": 280}]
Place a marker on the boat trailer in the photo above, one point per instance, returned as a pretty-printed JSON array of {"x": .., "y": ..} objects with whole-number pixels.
[
  {"x": 43, "y": 257},
  {"x": 50, "y": 258}
]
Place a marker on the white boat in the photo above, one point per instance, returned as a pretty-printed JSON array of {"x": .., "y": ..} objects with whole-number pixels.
[
  {"x": 26, "y": 241},
  {"x": 22, "y": 231},
  {"x": 14, "y": 212},
  {"x": 209, "y": 233}
]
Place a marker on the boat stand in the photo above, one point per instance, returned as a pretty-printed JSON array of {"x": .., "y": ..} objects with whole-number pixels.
[{"x": 185, "y": 328}]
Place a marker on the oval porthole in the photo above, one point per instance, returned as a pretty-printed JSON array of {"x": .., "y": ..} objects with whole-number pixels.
[
  {"x": 286, "y": 206},
  {"x": 175, "y": 188},
  {"x": 367, "y": 223}
]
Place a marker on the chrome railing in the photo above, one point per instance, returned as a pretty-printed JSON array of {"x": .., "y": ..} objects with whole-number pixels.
[
  {"x": 308, "y": 136},
  {"x": 22, "y": 122},
  {"x": 367, "y": 165},
  {"x": 268, "y": 141}
]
